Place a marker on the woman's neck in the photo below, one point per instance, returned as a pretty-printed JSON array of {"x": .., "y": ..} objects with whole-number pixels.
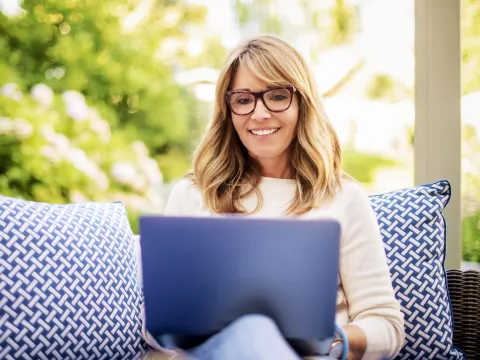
[{"x": 275, "y": 168}]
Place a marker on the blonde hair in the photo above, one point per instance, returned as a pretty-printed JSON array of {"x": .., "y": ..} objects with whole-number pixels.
[{"x": 221, "y": 167}]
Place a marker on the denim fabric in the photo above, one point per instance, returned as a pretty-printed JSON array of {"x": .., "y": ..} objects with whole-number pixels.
[{"x": 251, "y": 337}]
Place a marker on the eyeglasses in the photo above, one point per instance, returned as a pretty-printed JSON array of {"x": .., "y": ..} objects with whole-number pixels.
[{"x": 243, "y": 102}]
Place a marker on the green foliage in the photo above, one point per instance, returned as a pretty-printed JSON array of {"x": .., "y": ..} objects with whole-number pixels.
[
  {"x": 470, "y": 194},
  {"x": 332, "y": 26},
  {"x": 381, "y": 86},
  {"x": 471, "y": 236},
  {"x": 344, "y": 22},
  {"x": 363, "y": 166},
  {"x": 107, "y": 71},
  {"x": 88, "y": 46},
  {"x": 48, "y": 156},
  {"x": 384, "y": 87},
  {"x": 261, "y": 15},
  {"x": 470, "y": 32},
  {"x": 213, "y": 54}
]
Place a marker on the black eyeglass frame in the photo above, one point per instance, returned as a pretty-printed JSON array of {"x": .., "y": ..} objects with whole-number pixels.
[{"x": 259, "y": 95}]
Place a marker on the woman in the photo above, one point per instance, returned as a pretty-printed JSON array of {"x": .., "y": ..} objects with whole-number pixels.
[{"x": 270, "y": 151}]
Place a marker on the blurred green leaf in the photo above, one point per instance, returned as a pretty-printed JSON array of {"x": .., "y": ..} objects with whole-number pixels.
[{"x": 362, "y": 166}]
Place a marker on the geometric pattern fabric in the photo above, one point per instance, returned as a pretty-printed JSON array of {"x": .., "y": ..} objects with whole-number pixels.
[
  {"x": 414, "y": 234},
  {"x": 68, "y": 282}
]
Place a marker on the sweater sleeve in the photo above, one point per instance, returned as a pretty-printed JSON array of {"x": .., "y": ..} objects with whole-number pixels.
[{"x": 365, "y": 277}]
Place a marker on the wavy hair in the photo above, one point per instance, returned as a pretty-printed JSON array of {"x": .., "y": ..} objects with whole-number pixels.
[{"x": 222, "y": 169}]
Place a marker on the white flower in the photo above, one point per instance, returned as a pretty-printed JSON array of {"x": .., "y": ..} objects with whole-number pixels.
[
  {"x": 51, "y": 153},
  {"x": 148, "y": 165},
  {"x": 6, "y": 125},
  {"x": 140, "y": 149},
  {"x": 151, "y": 202},
  {"x": 136, "y": 202},
  {"x": 60, "y": 141},
  {"x": 124, "y": 173},
  {"x": 102, "y": 180},
  {"x": 77, "y": 111},
  {"x": 42, "y": 94},
  {"x": 128, "y": 174},
  {"x": 72, "y": 96},
  {"x": 60, "y": 148},
  {"x": 22, "y": 129},
  {"x": 80, "y": 160},
  {"x": 100, "y": 126},
  {"x": 77, "y": 108},
  {"x": 152, "y": 172},
  {"x": 154, "y": 195},
  {"x": 11, "y": 91},
  {"x": 77, "y": 197},
  {"x": 47, "y": 132},
  {"x": 140, "y": 184}
]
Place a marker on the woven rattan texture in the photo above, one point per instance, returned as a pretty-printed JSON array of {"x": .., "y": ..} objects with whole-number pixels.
[{"x": 464, "y": 288}]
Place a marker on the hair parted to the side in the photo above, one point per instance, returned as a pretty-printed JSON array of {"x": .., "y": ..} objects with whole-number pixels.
[{"x": 222, "y": 168}]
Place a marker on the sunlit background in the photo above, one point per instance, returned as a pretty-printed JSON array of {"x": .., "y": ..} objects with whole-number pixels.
[{"x": 105, "y": 100}]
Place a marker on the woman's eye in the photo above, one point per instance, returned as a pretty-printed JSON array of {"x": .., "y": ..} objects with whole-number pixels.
[
  {"x": 243, "y": 101},
  {"x": 278, "y": 98}
]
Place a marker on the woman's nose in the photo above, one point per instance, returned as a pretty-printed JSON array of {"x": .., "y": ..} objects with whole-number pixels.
[{"x": 260, "y": 112}]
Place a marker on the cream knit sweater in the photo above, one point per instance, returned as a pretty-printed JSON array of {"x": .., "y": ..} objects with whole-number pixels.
[{"x": 365, "y": 295}]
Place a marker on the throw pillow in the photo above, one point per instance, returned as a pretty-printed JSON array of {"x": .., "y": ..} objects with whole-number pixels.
[
  {"x": 68, "y": 282},
  {"x": 413, "y": 229}
]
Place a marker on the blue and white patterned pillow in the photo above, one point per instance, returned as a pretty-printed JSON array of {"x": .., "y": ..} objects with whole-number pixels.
[
  {"x": 413, "y": 229},
  {"x": 68, "y": 282}
]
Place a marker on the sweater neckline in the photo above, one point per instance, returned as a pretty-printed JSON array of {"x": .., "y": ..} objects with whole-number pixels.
[{"x": 277, "y": 181}]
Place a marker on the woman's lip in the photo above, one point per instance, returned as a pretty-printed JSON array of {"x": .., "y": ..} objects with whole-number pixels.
[
  {"x": 265, "y": 133},
  {"x": 264, "y": 128}
]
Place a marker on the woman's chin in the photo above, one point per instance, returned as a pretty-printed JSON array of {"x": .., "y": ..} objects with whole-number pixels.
[{"x": 266, "y": 154}]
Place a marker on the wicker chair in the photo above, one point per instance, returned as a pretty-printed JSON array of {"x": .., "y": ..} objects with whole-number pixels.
[{"x": 464, "y": 288}]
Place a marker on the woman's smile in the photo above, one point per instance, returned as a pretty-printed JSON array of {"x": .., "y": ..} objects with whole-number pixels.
[{"x": 264, "y": 132}]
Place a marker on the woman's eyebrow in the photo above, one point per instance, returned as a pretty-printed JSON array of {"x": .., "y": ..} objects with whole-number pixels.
[{"x": 268, "y": 87}]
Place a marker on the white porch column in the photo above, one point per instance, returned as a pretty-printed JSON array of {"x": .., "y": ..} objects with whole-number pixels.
[{"x": 437, "y": 107}]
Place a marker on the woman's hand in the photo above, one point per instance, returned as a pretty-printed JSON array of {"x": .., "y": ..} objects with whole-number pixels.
[
  {"x": 159, "y": 355},
  {"x": 357, "y": 342}
]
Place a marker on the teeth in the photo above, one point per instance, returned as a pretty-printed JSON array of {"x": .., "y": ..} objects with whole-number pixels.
[{"x": 264, "y": 132}]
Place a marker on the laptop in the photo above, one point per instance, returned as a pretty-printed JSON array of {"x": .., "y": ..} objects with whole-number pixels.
[{"x": 202, "y": 273}]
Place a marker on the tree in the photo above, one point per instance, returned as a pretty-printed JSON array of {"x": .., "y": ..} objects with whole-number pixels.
[
  {"x": 89, "y": 100},
  {"x": 326, "y": 27},
  {"x": 97, "y": 49}
]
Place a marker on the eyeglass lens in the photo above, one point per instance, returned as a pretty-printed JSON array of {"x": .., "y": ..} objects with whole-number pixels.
[{"x": 275, "y": 100}]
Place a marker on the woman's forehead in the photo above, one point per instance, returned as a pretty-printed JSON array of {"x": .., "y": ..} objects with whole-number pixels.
[{"x": 244, "y": 79}]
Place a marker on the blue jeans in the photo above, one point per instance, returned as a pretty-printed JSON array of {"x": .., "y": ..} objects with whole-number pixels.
[{"x": 251, "y": 337}]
